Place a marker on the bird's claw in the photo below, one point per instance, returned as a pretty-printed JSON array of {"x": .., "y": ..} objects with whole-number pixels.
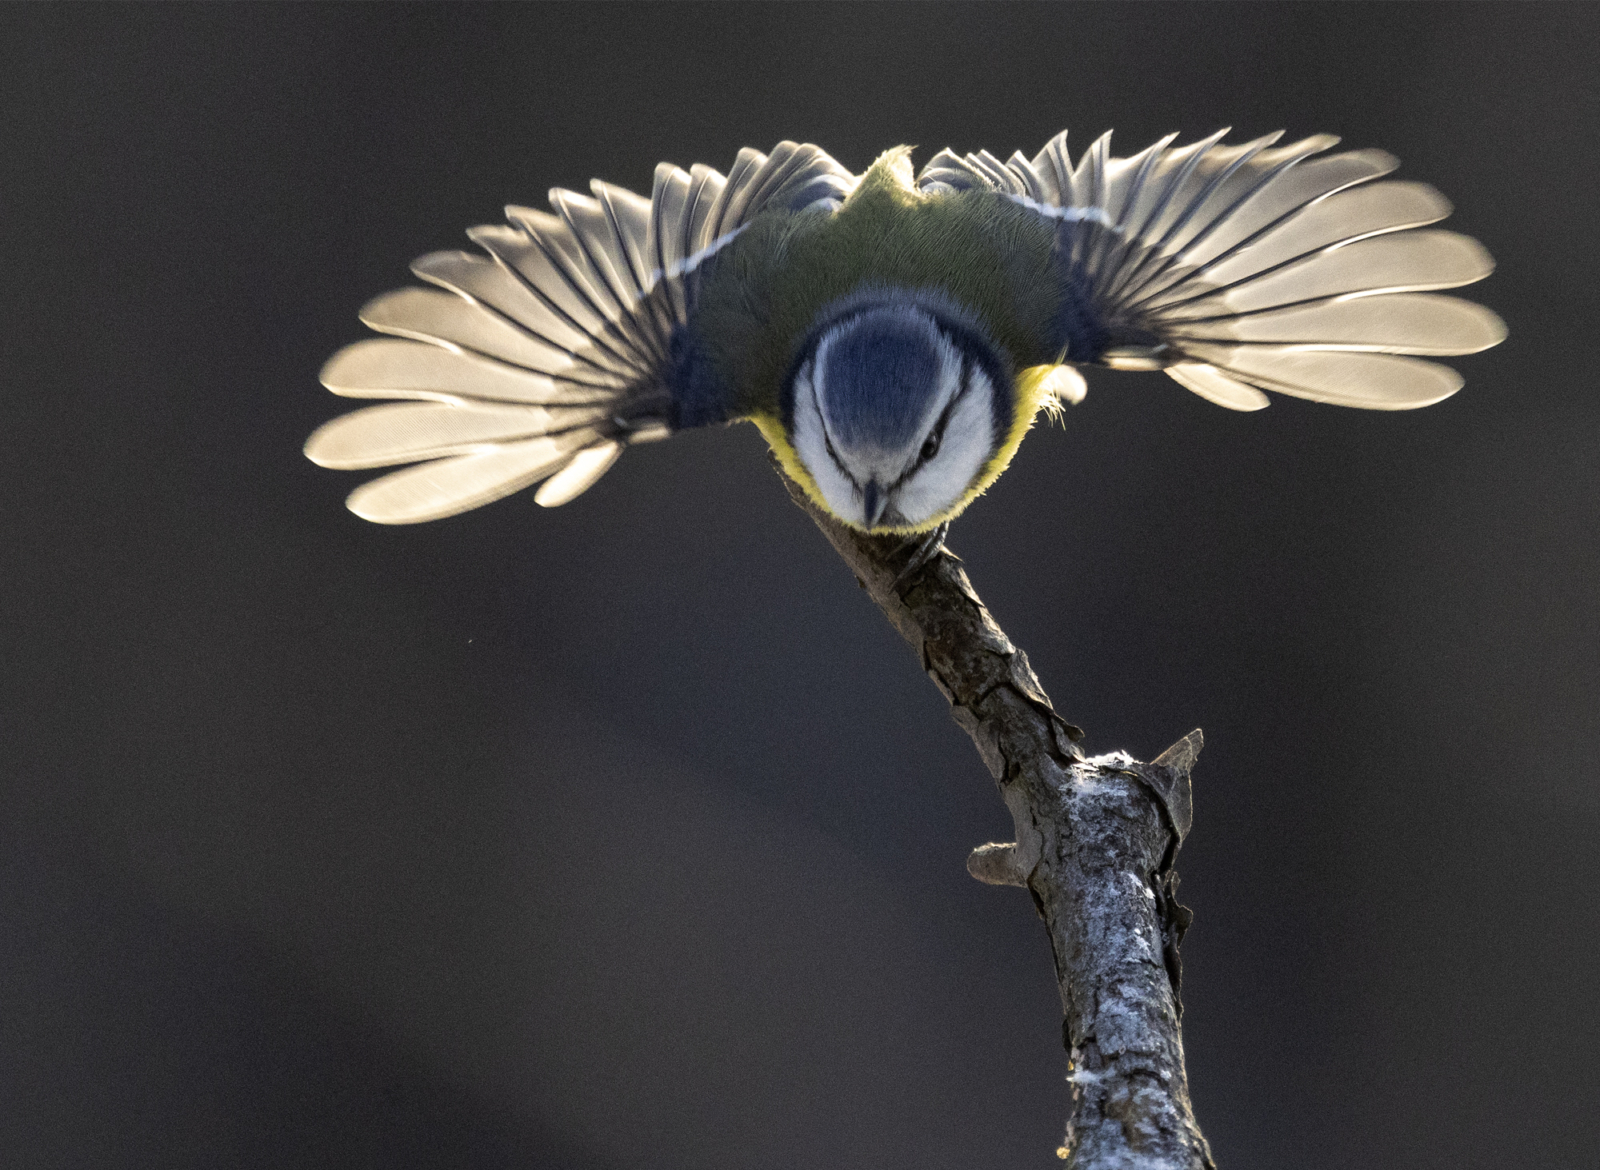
[{"x": 923, "y": 549}]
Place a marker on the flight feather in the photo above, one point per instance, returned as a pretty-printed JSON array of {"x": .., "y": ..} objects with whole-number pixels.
[{"x": 543, "y": 356}]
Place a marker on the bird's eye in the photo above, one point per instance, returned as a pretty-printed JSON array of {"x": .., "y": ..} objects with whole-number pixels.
[{"x": 930, "y": 447}]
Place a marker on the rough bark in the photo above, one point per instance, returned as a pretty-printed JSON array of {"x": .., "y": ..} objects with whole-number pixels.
[{"x": 1096, "y": 842}]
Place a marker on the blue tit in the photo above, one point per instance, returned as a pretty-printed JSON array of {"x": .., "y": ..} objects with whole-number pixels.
[{"x": 894, "y": 335}]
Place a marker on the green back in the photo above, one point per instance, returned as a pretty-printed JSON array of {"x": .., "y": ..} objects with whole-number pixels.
[{"x": 982, "y": 250}]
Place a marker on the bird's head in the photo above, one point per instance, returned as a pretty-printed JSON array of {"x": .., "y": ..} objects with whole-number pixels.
[{"x": 897, "y": 409}]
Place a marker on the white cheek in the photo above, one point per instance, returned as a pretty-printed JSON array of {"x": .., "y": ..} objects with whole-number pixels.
[
  {"x": 968, "y": 440},
  {"x": 812, "y": 447}
]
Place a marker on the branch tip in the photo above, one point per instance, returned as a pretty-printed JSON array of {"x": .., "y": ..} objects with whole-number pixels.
[{"x": 1180, "y": 757}]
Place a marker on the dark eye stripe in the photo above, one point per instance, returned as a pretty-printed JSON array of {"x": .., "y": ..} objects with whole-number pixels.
[
  {"x": 961, "y": 390},
  {"x": 937, "y": 433}
]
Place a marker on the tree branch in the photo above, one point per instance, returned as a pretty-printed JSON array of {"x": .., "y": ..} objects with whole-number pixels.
[{"x": 1096, "y": 842}]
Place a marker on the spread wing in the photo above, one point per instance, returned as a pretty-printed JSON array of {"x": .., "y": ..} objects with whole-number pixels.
[
  {"x": 1239, "y": 269},
  {"x": 542, "y": 357}
]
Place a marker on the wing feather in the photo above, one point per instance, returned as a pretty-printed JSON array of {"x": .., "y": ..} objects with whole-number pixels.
[
  {"x": 1250, "y": 267},
  {"x": 453, "y": 321},
  {"x": 394, "y": 368},
  {"x": 547, "y": 355},
  {"x": 705, "y": 191},
  {"x": 444, "y": 487},
  {"x": 1375, "y": 381},
  {"x": 1419, "y": 323},
  {"x": 1367, "y": 210},
  {"x": 506, "y": 291},
  {"x": 1215, "y": 386},
  {"x": 405, "y": 432},
  {"x": 1414, "y": 261},
  {"x": 1281, "y": 190},
  {"x": 579, "y": 476}
]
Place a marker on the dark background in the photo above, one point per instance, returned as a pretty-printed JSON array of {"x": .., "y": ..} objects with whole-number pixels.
[{"x": 628, "y": 834}]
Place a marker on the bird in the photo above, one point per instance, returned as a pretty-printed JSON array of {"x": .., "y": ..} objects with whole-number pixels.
[{"x": 894, "y": 335}]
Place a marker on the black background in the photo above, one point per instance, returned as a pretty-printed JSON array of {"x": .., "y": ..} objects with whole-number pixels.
[{"x": 627, "y": 834}]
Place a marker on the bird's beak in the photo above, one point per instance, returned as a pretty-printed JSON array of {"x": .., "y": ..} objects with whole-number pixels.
[{"x": 873, "y": 502}]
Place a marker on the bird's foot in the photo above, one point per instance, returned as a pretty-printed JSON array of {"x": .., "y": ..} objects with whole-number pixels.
[{"x": 921, "y": 549}]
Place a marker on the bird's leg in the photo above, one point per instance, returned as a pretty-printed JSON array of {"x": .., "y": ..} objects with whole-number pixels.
[{"x": 919, "y": 550}]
